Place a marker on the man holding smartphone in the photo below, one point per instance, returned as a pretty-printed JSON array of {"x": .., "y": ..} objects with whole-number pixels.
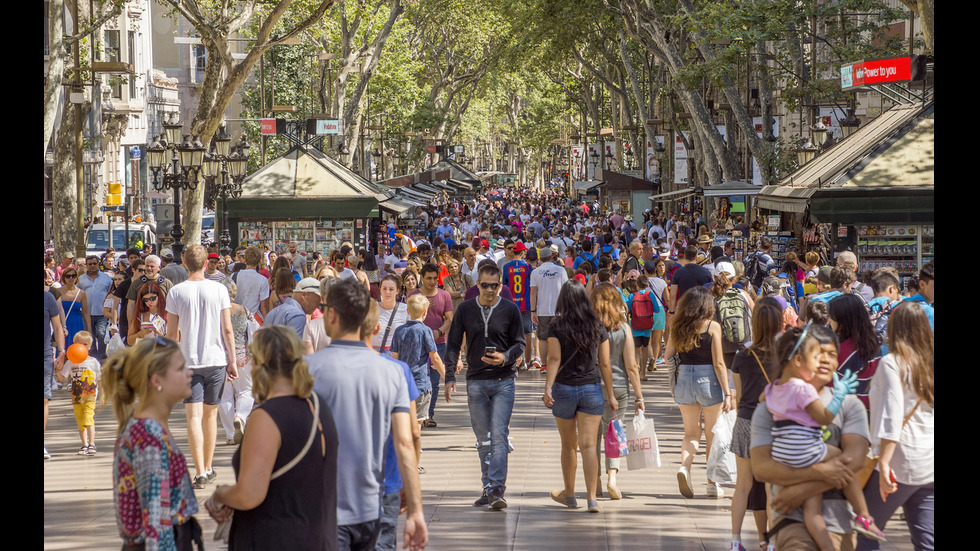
[{"x": 495, "y": 344}]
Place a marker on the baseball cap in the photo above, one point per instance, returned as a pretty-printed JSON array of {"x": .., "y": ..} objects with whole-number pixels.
[
  {"x": 823, "y": 275},
  {"x": 309, "y": 285},
  {"x": 519, "y": 247},
  {"x": 726, "y": 267},
  {"x": 167, "y": 254},
  {"x": 545, "y": 253},
  {"x": 213, "y": 255}
]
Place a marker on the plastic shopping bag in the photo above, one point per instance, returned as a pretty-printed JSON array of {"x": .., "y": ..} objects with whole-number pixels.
[
  {"x": 615, "y": 439},
  {"x": 721, "y": 459},
  {"x": 641, "y": 438},
  {"x": 114, "y": 345}
]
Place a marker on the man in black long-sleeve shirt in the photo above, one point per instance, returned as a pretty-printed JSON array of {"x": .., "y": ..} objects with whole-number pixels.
[{"x": 488, "y": 321}]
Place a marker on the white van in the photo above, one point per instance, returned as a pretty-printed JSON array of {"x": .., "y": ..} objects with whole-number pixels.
[
  {"x": 207, "y": 228},
  {"x": 97, "y": 237}
]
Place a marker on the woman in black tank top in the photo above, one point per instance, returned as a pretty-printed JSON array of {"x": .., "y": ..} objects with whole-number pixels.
[
  {"x": 702, "y": 378},
  {"x": 286, "y": 499}
]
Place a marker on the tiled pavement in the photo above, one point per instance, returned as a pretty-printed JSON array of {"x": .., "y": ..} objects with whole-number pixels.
[{"x": 652, "y": 515}]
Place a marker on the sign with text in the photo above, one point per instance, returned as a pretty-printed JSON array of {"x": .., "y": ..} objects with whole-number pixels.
[
  {"x": 875, "y": 71},
  {"x": 268, "y": 126},
  {"x": 325, "y": 127}
]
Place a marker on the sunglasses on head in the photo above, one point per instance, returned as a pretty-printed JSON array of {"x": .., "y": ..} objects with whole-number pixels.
[{"x": 799, "y": 341}]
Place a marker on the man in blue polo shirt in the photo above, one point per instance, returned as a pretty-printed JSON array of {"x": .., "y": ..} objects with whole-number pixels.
[{"x": 362, "y": 386}]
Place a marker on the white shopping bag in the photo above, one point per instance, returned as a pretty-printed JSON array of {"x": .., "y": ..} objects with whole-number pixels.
[
  {"x": 641, "y": 439},
  {"x": 721, "y": 459}
]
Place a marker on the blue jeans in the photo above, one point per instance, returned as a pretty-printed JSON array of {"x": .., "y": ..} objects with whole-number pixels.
[
  {"x": 491, "y": 403},
  {"x": 919, "y": 504},
  {"x": 99, "y": 326},
  {"x": 434, "y": 379},
  {"x": 388, "y": 536}
]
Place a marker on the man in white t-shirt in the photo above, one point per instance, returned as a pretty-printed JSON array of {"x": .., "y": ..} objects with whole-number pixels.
[
  {"x": 253, "y": 287},
  {"x": 199, "y": 319},
  {"x": 546, "y": 282}
]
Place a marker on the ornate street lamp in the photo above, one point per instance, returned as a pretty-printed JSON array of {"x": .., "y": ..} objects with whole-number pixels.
[
  {"x": 230, "y": 164},
  {"x": 629, "y": 158},
  {"x": 180, "y": 174},
  {"x": 850, "y": 123}
]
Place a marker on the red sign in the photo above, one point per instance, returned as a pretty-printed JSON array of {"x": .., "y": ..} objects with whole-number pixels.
[
  {"x": 431, "y": 148},
  {"x": 876, "y": 71},
  {"x": 268, "y": 126}
]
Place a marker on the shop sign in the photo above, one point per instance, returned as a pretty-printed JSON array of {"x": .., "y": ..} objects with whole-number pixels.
[
  {"x": 325, "y": 127},
  {"x": 268, "y": 126},
  {"x": 876, "y": 71}
]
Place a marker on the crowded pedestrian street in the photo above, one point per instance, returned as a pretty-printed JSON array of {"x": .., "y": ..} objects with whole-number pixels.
[
  {"x": 489, "y": 275},
  {"x": 652, "y": 515}
]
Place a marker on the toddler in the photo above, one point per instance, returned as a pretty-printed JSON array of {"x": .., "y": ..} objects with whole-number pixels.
[
  {"x": 414, "y": 344},
  {"x": 799, "y": 416},
  {"x": 84, "y": 392}
]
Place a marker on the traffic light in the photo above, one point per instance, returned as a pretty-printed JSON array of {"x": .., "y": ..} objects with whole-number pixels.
[{"x": 114, "y": 197}]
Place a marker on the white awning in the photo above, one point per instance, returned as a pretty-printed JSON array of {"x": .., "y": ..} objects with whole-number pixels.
[{"x": 679, "y": 194}]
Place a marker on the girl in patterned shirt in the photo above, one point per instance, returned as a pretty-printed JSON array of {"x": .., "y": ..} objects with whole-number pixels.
[{"x": 152, "y": 491}]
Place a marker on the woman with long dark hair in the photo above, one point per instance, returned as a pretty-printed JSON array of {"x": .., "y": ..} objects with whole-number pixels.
[
  {"x": 902, "y": 397},
  {"x": 702, "y": 378},
  {"x": 151, "y": 303},
  {"x": 859, "y": 347},
  {"x": 579, "y": 348},
  {"x": 753, "y": 367}
]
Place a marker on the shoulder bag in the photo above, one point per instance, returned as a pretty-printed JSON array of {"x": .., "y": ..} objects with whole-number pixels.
[
  {"x": 391, "y": 318},
  {"x": 224, "y": 528},
  {"x": 871, "y": 461}
]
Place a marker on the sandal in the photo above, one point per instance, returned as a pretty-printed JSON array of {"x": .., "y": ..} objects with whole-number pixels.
[
  {"x": 83, "y": 450},
  {"x": 430, "y": 423},
  {"x": 867, "y": 527}
]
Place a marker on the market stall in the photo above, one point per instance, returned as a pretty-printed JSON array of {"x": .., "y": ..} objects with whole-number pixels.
[
  {"x": 307, "y": 198},
  {"x": 872, "y": 193}
]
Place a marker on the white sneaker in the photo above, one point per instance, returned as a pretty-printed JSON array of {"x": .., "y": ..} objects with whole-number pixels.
[
  {"x": 715, "y": 490},
  {"x": 684, "y": 482},
  {"x": 736, "y": 546}
]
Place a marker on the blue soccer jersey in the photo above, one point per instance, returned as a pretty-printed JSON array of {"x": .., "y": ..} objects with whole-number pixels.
[{"x": 517, "y": 277}]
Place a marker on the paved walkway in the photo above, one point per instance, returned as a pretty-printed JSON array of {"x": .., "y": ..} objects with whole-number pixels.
[{"x": 78, "y": 510}]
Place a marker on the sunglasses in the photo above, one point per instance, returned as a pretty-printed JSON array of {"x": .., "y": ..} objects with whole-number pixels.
[
  {"x": 149, "y": 298},
  {"x": 491, "y": 286},
  {"x": 799, "y": 341},
  {"x": 68, "y": 276},
  {"x": 140, "y": 270}
]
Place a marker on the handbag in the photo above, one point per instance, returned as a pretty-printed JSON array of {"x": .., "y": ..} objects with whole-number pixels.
[
  {"x": 615, "y": 440},
  {"x": 185, "y": 536},
  {"x": 871, "y": 461},
  {"x": 223, "y": 530},
  {"x": 643, "y": 446}
]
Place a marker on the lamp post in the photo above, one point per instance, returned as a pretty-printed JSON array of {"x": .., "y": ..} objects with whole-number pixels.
[
  {"x": 182, "y": 172},
  {"x": 230, "y": 163}
]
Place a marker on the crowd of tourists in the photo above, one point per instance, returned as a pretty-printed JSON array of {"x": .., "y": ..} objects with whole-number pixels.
[{"x": 827, "y": 372}]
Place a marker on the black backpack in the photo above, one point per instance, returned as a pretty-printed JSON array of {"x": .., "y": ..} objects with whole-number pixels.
[{"x": 755, "y": 269}]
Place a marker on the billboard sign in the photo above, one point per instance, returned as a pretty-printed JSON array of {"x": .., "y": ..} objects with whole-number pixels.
[{"x": 875, "y": 71}]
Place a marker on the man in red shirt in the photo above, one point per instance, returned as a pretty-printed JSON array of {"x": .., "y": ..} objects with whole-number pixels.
[{"x": 438, "y": 319}]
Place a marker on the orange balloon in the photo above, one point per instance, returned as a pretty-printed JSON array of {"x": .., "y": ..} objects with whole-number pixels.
[{"x": 77, "y": 353}]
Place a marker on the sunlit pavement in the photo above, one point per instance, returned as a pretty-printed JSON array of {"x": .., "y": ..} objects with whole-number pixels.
[{"x": 652, "y": 514}]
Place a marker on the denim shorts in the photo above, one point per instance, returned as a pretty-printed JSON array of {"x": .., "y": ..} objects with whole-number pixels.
[
  {"x": 570, "y": 399},
  {"x": 698, "y": 384},
  {"x": 529, "y": 327}
]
